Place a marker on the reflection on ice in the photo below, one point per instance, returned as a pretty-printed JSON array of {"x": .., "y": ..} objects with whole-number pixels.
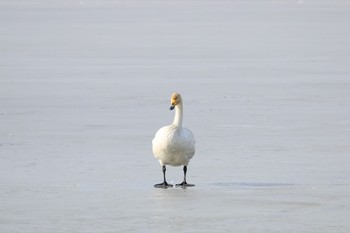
[{"x": 250, "y": 184}]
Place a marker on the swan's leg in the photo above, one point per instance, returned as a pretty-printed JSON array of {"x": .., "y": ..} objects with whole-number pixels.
[
  {"x": 164, "y": 184},
  {"x": 184, "y": 183}
]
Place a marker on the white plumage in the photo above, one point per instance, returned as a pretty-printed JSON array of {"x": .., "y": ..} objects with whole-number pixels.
[{"x": 173, "y": 144}]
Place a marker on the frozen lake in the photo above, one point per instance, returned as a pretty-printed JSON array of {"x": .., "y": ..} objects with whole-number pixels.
[{"x": 84, "y": 86}]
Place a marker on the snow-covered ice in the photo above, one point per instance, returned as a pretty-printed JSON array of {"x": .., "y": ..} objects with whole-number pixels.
[{"x": 84, "y": 85}]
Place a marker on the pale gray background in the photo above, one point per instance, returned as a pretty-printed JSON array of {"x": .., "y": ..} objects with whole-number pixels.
[{"x": 84, "y": 86}]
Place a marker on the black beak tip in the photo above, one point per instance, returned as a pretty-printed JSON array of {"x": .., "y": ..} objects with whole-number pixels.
[{"x": 172, "y": 107}]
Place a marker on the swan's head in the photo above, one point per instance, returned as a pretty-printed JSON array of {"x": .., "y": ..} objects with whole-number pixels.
[{"x": 175, "y": 100}]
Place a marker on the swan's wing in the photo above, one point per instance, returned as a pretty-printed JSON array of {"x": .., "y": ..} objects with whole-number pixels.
[
  {"x": 162, "y": 139},
  {"x": 163, "y": 134},
  {"x": 188, "y": 141},
  {"x": 188, "y": 135}
]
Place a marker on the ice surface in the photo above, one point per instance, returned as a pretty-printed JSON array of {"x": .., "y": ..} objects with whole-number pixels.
[{"x": 84, "y": 85}]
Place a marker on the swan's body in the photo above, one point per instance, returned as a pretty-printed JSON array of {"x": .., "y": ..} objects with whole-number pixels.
[{"x": 173, "y": 144}]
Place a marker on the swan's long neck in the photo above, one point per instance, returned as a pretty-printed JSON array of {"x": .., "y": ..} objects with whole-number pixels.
[{"x": 178, "y": 115}]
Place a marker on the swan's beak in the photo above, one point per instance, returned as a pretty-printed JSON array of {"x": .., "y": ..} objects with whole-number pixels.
[{"x": 172, "y": 107}]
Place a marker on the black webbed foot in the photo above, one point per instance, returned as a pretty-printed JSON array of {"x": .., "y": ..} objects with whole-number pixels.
[
  {"x": 163, "y": 185},
  {"x": 184, "y": 185}
]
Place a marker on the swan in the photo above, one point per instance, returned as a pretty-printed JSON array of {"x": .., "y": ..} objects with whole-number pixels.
[{"x": 173, "y": 144}]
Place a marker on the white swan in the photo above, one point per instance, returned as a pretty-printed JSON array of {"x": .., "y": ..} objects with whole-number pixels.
[{"x": 174, "y": 145}]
